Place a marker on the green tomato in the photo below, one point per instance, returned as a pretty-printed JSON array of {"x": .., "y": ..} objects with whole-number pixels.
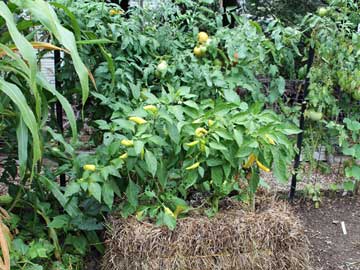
[
  {"x": 55, "y": 149},
  {"x": 323, "y": 12},
  {"x": 203, "y": 49},
  {"x": 162, "y": 67},
  {"x": 313, "y": 115},
  {"x": 217, "y": 63}
]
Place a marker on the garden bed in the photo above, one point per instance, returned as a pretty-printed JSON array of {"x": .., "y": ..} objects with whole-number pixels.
[{"x": 271, "y": 238}]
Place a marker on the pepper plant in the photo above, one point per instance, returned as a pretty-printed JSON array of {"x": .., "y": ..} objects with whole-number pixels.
[{"x": 158, "y": 154}]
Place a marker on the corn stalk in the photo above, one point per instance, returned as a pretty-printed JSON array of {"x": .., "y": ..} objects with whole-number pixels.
[{"x": 22, "y": 82}]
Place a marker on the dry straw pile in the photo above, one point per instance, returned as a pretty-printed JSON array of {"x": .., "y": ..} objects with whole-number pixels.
[{"x": 271, "y": 238}]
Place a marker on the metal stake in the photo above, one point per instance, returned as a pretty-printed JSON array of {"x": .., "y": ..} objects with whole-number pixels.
[
  {"x": 302, "y": 124},
  {"x": 59, "y": 109}
]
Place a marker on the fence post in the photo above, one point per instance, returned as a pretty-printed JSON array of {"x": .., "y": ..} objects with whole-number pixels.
[{"x": 302, "y": 124}]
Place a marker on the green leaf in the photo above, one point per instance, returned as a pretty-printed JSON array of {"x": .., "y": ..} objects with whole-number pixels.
[
  {"x": 39, "y": 249},
  {"x": 231, "y": 96},
  {"x": 174, "y": 133},
  {"x": 190, "y": 179},
  {"x": 162, "y": 174},
  {"x": 217, "y": 146},
  {"x": 217, "y": 175},
  {"x": 352, "y": 124},
  {"x": 59, "y": 222},
  {"x": 35, "y": 267},
  {"x": 71, "y": 189},
  {"x": 135, "y": 90},
  {"x": 280, "y": 169},
  {"x": 125, "y": 124},
  {"x": 78, "y": 242},
  {"x": 353, "y": 171},
  {"x": 95, "y": 190},
  {"x": 138, "y": 147},
  {"x": 238, "y": 137},
  {"x": 108, "y": 194},
  {"x": 167, "y": 220},
  {"x": 59, "y": 138},
  {"x": 19, "y": 246},
  {"x": 86, "y": 223},
  {"x": 132, "y": 192},
  {"x": 22, "y": 139},
  {"x": 224, "y": 134},
  {"x": 349, "y": 186},
  {"x": 70, "y": 208},
  {"x": 191, "y": 104},
  {"x": 289, "y": 129},
  {"x": 280, "y": 83},
  {"x": 211, "y": 162},
  {"x": 151, "y": 162},
  {"x": 109, "y": 170}
]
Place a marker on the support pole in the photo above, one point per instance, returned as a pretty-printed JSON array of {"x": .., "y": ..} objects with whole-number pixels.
[
  {"x": 302, "y": 124},
  {"x": 58, "y": 107}
]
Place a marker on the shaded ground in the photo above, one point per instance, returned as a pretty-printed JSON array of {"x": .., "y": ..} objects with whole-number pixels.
[{"x": 331, "y": 249}]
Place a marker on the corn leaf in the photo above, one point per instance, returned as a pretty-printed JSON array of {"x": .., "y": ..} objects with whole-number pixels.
[
  {"x": 26, "y": 50},
  {"x": 36, "y": 45},
  {"x": 74, "y": 22},
  {"x": 15, "y": 94},
  {"x": 47, "y": 16},
  {"x": 22, "y": 139}
]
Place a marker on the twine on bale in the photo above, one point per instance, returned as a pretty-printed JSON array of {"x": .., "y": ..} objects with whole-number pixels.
[{"x": 271, "y": 238}]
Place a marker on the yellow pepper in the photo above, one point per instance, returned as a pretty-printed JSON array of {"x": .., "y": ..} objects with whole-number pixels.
[
  {"x": 124, "y": 156},
  {"x": 127, "y": 143},
  {"x": 193, "y": 167},
  {"x": 169, "y": 212},
  {"x": 190, "y": 144},
  {"x": 210, "y": 123},
  {"x": 200, "y": 132},
  {"x": 262, "y": 166},
  {"x": 270, "y": 140},
  {"x": 150, "y": 108},
  {"x": 137, "y": 120},
  {"x": 250, "y": 161},
  {"x": 142, "y": 154},
  {"x": 139, "y": 215},
  {"x": 113, "y": 12},
  {"x": 89, "y": 167},
  {"x": 179, "y": 209}
]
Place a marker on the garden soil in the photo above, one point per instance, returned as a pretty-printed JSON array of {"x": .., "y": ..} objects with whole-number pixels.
[{"x": 330, "y": 248}]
